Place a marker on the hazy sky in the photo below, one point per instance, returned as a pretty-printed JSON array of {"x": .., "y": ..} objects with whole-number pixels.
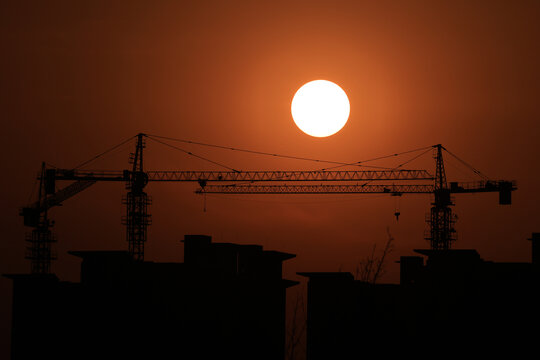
[{"x": 79, "y": 77}]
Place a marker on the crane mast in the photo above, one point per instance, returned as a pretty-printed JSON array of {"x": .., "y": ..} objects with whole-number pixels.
[
  {"x": 137, "y": 201},
  {"x": 441, "y": 221},
  {"x": 41, "y": 238},
  {"x": 137, "y": 218}
]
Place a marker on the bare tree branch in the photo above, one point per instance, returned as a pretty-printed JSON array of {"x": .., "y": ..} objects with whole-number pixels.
[
  {"x": 372, "y": 267},
  {"x": 297, "y": 326}
]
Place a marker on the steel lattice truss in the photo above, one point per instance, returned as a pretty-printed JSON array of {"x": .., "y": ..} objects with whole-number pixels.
[
  {"x": 318, "y": 189},
  {"x": 316, "y": 175},
  {"x": 455, "y": 188}
]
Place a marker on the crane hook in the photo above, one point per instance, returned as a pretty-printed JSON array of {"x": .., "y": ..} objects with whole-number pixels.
[{"x": 398, "y": 203}]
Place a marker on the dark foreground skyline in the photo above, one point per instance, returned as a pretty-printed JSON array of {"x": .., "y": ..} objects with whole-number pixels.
[
  {"x": 225, "y": 300},
  {"x": 229, "y": 300},
  {"x": 80, "y": 77},
  {"x": 451, "y": 301}
]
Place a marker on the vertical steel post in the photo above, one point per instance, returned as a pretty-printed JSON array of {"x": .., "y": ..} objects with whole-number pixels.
[
  {"x": 136, "y": 200},
  {"x": 40, "y": 240},
  {"x": 441, "y": 219}
]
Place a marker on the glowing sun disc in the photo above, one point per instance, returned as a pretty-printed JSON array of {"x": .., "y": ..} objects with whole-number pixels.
[{"x": 320, "y": 108}]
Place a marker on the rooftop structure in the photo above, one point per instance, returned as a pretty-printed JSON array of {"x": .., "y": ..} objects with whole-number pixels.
[
  {"x": 226, "y": 300},
  {"x": 452, "y": 300}
]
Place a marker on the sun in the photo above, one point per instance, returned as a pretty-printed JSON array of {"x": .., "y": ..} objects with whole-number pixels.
[{"x": 320, "y": 108}]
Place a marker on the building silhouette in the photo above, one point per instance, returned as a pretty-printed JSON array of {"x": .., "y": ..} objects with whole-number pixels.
[
  {"x": 225, "y": 301},
  {"x": 447, "y": 301}
]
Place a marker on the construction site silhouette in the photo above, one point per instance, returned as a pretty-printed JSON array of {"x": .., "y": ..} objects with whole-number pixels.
[
  {"x": 452, "y": 300},
  {"x": 229, "y": 300}
]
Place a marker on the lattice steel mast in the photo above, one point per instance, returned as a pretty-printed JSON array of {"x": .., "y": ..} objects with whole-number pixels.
[
  {"x": 136, "y": 200},
  {"x": 41, "y": 238},
  {"x": 441, "y": 220}
]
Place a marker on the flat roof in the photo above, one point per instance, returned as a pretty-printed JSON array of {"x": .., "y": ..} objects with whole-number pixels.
[
  {"x": 327, "y": 275},
  {"x": 85, "y": 253}
]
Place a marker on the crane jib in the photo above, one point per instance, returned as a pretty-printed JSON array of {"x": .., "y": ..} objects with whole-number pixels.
[{"x": 217, "y": 176}]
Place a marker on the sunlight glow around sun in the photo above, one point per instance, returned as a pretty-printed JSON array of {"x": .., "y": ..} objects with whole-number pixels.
[{"x": 320, "y": 108}]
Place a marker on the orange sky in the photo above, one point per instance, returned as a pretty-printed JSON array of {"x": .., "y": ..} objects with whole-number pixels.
[{"x": 78, "y": 77}]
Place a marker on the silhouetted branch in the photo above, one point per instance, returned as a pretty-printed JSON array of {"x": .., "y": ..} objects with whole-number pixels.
[
  {"x": 372, "y": 267},
  {"x": 297, "y": 326}
]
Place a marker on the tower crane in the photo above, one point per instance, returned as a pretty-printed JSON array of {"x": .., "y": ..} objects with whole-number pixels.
[
  {"x": 441, "y": 220},
  {"x": 137, "y": 217}
]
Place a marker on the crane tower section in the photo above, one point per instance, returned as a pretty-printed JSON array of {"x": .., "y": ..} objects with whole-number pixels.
[
  {"x": 441, "y": 220},
  {"x": 137, "y": 201}
]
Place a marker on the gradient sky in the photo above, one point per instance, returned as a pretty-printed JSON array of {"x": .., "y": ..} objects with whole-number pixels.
[{"x": 79, "y": 77}]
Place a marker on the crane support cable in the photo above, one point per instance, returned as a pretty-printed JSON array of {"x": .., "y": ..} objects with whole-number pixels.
[
  {"x": 156, "y": 137},
  {"x": 246, "y": 151},
  {"x": 358, "y": 163},
  {"x": 338, "y": 163},
  {"x": 476, "y": 171},
  {"x": 194, "y": 155},
  {"x": 49, "y": 165},
  {"x": 412, "y": 159},
  {"x": 103, "y": 153},
  {"x": 406, "y": 162}
]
